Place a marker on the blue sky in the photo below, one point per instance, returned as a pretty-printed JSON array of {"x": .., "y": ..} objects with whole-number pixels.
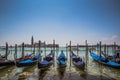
[{"x": 62, "y": 20}]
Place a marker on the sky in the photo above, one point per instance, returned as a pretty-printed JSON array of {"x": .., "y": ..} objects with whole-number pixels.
[{"x": 60, "y": 20}]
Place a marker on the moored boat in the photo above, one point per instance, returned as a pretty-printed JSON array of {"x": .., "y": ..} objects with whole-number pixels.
[
  {"x": 26, "y": 60},
  {"x": 47, "y": 61},
  {"x": 61, "y": 61},
  {"x": 77, "y": 61},
  {"x": 104, "y": 60},
  {"x": 4, "y": 60}
]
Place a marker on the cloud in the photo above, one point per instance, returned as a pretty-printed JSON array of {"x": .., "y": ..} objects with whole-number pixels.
[{"x": 111, "y": 39}]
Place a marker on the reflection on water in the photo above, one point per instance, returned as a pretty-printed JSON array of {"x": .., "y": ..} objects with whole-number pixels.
[
  {"x": 42, "y": 73},
  {"x": 5, "y": 71},
  {"x": 94, "y": 71},
  {"x": 61, "y": 72}
]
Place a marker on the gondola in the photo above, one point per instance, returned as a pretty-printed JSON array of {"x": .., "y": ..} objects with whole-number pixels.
[
  {"x": 27, "y": 60},
  {"x": 47, "y": 61},
  {"x": 4, "y": 61},
  {"x": 61, "y": 60},
  {"x": 103, "y": 60},
  {"x": 77, "y": 61}
]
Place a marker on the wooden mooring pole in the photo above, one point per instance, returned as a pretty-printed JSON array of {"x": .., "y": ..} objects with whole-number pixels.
[
  {"x": 11, "y": 49},
  {"x": 100, "y": 49},
  {"x": 54, "y": 51},
  {"x": 97, "y": 48},
  {"x": 45, "y": 48},
  {"x": 15, "y": 54},
  {"x": 54, "y": 46},
  {"x": 34, "y": 49},
  {"x": 66, "y": 50},
  {"x": 23, "y": 49},
  {"x": 6, "y": 51},
  {"x": 70, "y": 53},
  {"x": 57, "y": 51},
  {"x": 114, "y": 48},
  {"x": 39, "y": 46},
  {"x": 77, "y": 49},
  {"x": 32, "y": 42},
  {"x": 92, "y": 47},
  {"x": 15, "y": 51},
  {"x": 86, "y": 54},
  {"x": 105, "y": 50}
]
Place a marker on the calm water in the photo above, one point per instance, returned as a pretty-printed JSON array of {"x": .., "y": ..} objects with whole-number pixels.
[{"x": 93, "y": 70}]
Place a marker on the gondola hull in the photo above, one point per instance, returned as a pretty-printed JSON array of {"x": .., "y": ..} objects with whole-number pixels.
[
  {"x": 61, "y": 61},
  {"x": 103, "y": 61},
  {"x": 7, "y": 62},
  {"x": 61, "y": 65},
  {"x": 78, "y": 63},
  {"x": 30, "y": 61},
  {"x": 18, "y": 64},
  {"x": 44, "y": 65},
  {"x": 80, "y": 66},
  {"x": 48, "y": 61}
]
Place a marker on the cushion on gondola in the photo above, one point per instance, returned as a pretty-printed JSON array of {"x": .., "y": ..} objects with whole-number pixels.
[
  {"x": 44, "y": 62},
  {"x": 96, "y": 57},
  {"x": 79, "y": 62},
  {"x": 35, "y": 57},
  {"x": 62, "y": 55},
  {"x": 26, "y": 61},
  {"x": 73, "y": 56}
]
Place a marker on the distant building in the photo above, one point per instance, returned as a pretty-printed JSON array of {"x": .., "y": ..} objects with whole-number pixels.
[
  {"x": 37, "y": 45},
  {"x": 42, "y": 44},
  {"x": 51, "y": 45}
]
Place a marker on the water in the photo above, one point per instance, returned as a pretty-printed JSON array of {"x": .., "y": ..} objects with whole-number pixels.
[{"x": 93, "y": 70}]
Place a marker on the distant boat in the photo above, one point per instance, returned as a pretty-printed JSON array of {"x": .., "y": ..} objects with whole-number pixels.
[
  {"x": 61, "y": 61},
  {"x": 77, "y": 61},
  {"x": 47, "y": 61},
  {"x": 104, "y": 60}
]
